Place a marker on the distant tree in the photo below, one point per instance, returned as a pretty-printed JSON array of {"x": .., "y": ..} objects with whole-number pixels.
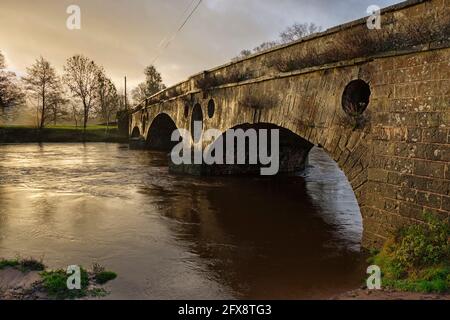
[
  {"x": 81, "y": 76},
  {"x": 42, "y": 83},
  {"x": 292, "y": 33},
  {"x": 75, "y": 113},
  {"x": 265, "y": 46},
  {"x": 108, "y": 99},
  {"x": 243, "y": 54},
  {"x": 57, "y": 102},
  {"x": 121, "y": 102},
  {"x": 139, "y": 93},
  {"x": 153, "y": 83},
  {"x": 11, "y": 93},
  {"x": 298, "y": 31},
  {"x": 2, "y": 61}
]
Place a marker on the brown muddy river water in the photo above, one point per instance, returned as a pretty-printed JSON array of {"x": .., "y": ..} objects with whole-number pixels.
[{"x": 180, "y": 237}]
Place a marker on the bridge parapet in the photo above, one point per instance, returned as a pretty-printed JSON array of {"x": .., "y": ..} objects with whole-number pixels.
[{"x": 410, "y": 26}]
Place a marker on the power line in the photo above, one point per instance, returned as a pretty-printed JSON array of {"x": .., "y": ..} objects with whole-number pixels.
[
  {"x": 164, "y": 40},
  {"x": 178, "y": 30}
]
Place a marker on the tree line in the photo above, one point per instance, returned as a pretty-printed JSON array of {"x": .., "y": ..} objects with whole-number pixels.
[
  {"x": 83, "y": 90},
  {"x": 290, "y": 34}
]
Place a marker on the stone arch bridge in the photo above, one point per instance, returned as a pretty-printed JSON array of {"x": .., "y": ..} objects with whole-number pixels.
[{"x": 377, "y": 101}]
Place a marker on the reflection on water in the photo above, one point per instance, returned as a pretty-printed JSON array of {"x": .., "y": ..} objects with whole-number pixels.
[{"x": 171, "y": 236}]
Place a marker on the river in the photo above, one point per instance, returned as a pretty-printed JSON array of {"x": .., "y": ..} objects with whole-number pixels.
[{"x": 181, "y": 237}]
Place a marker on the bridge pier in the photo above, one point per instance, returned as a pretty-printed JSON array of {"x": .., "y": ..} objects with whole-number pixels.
[{"x": 137, "y": 143}]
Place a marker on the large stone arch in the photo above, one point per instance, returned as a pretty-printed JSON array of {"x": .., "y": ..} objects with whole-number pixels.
[{"x": 293, "y": 150}]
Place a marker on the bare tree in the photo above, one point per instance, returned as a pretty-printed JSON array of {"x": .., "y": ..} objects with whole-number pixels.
[
  {"x": 81, "y": 76},
  {"x": 243, "y": 54},
  {"x": 11, "y": 93},
  {"x": 74, "y": 113},
  {"x": 56, "y": 103},
  {"x": 298, "y": 31},
  {"x": 121, "y": 102},
  {"x": 41, "y": 82},
  {"x": 265, "y": 46},
  {"x": 2, "y": 61},
  {"x": 139, "y": 93},
  {"x": 153, "y": 83},
  {"x": 292, "y": 33},
  {"x": 108, "y": 100}
]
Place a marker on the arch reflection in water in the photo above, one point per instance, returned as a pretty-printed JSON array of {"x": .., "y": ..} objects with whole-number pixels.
[{"x": 284, "y": 237}]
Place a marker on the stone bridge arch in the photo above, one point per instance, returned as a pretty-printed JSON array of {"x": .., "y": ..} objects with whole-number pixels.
[
  {"x": 159, "y": 133},
  {"x": 292, "y": 152},
  {"x": 379, "y": 107}
]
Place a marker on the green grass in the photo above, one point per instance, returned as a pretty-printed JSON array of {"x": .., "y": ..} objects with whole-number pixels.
[
  {"x": 418, "y": 258},
  {"x": 31, "y": 264},
  {"x": 102, "y": 276},
  {"x": 24, "y": 265},
  {"x": 105, "y": 276},
  {"x": 61, "y": 133},
  {"x": 5, "y": 263},
  {"x": 55, "y": 284}
]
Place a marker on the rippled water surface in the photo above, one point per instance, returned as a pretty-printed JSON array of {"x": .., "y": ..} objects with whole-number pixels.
[{"x": 170, "y": 236}]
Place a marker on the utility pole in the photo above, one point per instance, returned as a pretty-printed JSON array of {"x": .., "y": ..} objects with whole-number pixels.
[{"x": 126, "y": 105}]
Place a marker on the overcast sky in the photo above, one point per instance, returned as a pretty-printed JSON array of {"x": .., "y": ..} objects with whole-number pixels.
[{"x": 124, "y": 36}]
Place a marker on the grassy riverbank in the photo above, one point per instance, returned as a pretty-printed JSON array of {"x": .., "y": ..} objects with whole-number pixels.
[
  {"x": 28, "y": 279},
  {"x": 418, "y": 258},
  {"x": 27, "y": 134}
]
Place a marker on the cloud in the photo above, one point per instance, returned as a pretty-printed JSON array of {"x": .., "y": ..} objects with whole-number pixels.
[{"x": 124, "y": 35}]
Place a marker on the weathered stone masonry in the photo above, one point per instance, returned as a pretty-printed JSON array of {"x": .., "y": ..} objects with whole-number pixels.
[{"x": 397, "y": 162}]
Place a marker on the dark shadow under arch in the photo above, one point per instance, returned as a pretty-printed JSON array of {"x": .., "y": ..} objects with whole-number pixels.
[
  {"x": 136, "y": 133},
  {"x": 293, "y": 152},
  {"x": 160, "y": 133}
]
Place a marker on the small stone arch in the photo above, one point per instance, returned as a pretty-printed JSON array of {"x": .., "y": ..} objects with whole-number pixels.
[
  {"x": 136, "y": 133},
  {"x": 160, "y": 133}
]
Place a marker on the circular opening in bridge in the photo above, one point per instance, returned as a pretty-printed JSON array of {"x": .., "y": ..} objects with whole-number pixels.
[
  {"x": 197, "y": 123},
  {"x": 211, "y": 108},
  {"x": 356, "y": 97},
  {"x": 186, "y": 110}
]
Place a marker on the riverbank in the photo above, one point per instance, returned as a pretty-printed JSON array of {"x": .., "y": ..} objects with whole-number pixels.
[
  {"x": 386, "y": 294},
  {"x": 27, "y": 279},
  {"x": 27, "y": 134},
  {"x": 19, "y": 285}
]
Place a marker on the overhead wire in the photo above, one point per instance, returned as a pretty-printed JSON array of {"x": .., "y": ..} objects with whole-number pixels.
[{"x": 180, "y": 28}]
